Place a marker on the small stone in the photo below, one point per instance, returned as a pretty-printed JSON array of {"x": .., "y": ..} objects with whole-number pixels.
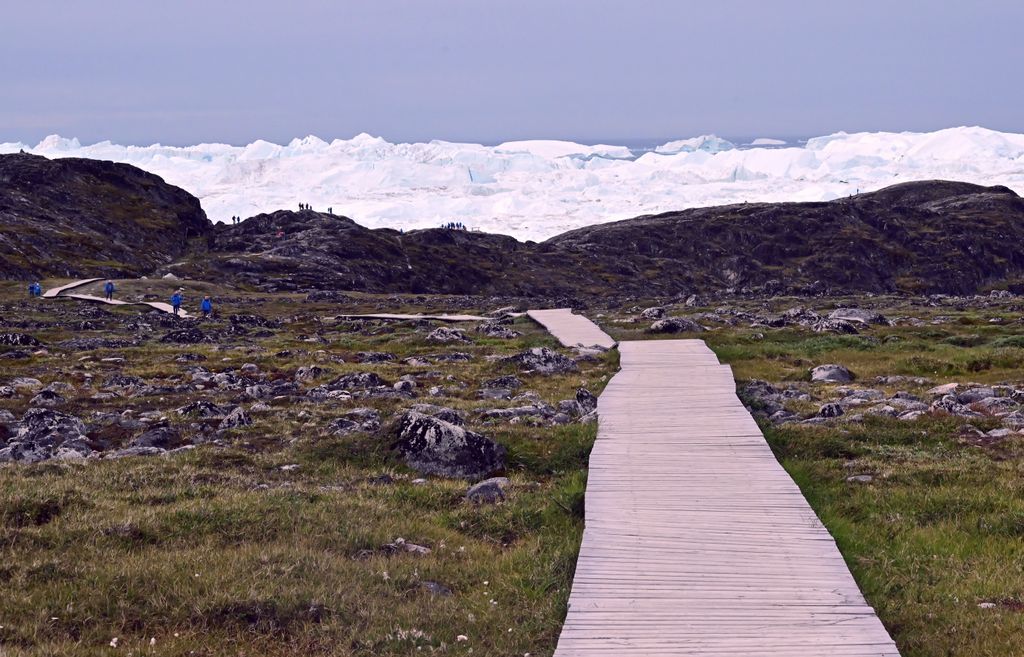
[{"x": 488, "y": 491}]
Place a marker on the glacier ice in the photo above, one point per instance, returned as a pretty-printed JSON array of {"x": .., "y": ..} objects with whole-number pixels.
[{"x": 539, "y": 188}]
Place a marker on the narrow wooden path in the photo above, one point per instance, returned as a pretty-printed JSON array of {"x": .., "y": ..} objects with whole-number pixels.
[
  {"x": 62, "y": 292},
  {"x": 697, "y": 542},
  {"x": 401, "y": 317},
  {"x": 570, "y": 329}
]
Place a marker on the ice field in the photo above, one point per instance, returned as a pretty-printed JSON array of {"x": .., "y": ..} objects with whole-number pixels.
[{"x": 537, "y": 189}]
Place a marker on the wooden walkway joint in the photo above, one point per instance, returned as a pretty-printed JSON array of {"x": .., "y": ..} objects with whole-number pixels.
[{"x": 697, "y": 542}]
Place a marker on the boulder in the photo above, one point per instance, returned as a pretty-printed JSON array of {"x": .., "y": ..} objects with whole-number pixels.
[
  {"x": 675, "y": 325},
  {"x": 831, "y": 374},
  {"x": 26, "y": 384},
  {"x": 543, "y": 361},
  {"x": 236, "y": 418},
  {"x": 18, "y": 340},
  {"x": 43, "y": 431},
  {"x": 358, "y": 381},
  {"x": 488, "y": 491},
  {"x": 309, "y": 373},
  {"x": 587, "y": 401},
  {"x": 834, "y": 326},
  {"x": 496, "y": 330},
  {"x": 159, "y": 437},
  {"x": 949, "y": 405},
  {"x": 47, "y": 398},
  {"x": 203, "y": 409},
  {"x": 976, "y": 394},
  {"x": 944, "y": 389},
  {"x": 655, "y": 312},
  {"x": 374, "y": 357},
  {"x": 858, "y": 315},
  {"x": 831, "y": 410},
  {"x": 440, "y": 412},
  {"x": 435, "y": 447},
  {"x": 357, "y": 419},
  {"x": 185, "y": 336},
  {"x": 446, "y": 334}
]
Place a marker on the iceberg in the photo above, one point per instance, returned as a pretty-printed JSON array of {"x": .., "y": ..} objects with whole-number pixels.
[{"x": 535, "y": 189}]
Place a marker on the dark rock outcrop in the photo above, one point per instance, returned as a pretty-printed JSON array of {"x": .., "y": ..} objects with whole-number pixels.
[
  {"x": 435, "y": 447},
  {"x": 79, "y": 217}
]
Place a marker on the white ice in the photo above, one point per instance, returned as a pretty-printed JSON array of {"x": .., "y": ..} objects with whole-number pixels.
[{"x": 537, "y": 189}]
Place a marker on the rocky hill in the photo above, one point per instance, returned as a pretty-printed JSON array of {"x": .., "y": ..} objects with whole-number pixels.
[
  {"x": 925, "y": 237},
  {"x": 79, "y": 217},
  {"x": 82, "y": 217}
]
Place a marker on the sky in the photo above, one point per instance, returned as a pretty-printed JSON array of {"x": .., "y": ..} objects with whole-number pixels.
[{"x": 192, "y": 71}]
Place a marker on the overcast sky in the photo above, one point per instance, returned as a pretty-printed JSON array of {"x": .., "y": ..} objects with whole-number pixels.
[{"x": 186, "y": 71}]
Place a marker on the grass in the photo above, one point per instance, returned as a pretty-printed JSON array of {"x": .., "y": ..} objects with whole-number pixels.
[
  {"x": 223, "y": 550},
  {"x": 936, "y": 539}
]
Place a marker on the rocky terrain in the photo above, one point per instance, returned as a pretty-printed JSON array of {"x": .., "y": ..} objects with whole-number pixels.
[
  {"x": 80, "y": 217},
  {"x": 921, "y": 237}
]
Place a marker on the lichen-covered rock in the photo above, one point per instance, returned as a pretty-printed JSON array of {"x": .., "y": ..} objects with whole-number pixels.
[
  {"x": 190, "y": 335},
  {"x": 357, "y": 419},
  {"x": 830, "y": 410},
  {"x": 18, "y": 340},
  {"x": 834, "y": 326},
  {"x": 446, "y": 334},
  {"x": 496, "y": 330},
  {"x": 858, "y": 315},
  {"x": 831, "y": 374},
  {"x": 236, "y": 418},
  {"x": 656, "y": 312},
  {"x": 42, "y": 433},
  {"x": 435, "y": 447},
  {"x": 675, "y": 325},
  {"x": 543, "y": 361}
]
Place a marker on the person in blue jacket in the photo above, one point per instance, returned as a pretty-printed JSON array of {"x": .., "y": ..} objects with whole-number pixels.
[
  {"x": 32, "y": 289},
  {"x": 206, "y": 306},
  {"x": 176, "y": 302},
  {"x": 37, "y": 289},
  {"x": 108, "y": 290}
]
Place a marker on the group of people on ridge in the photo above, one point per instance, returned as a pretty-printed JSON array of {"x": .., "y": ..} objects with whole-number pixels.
[{"x": 455, "y": 225}]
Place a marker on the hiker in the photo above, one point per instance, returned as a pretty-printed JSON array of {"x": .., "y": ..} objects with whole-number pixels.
[
  {"x": 32, "y": 289},
  {"x": 108, "y": 290},
  {"x": 39, "y": 289},
  {"x": 176, "y": 302},
  {"x": 206, "y": 306}
]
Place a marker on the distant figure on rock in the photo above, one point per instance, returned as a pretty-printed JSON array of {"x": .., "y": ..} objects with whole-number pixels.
[
  {"x": 108, "y": 290},
  {"x": 176, "y": 302},
  {"x": 206, "y": 306},
  {"x": 32, "y": 289}
]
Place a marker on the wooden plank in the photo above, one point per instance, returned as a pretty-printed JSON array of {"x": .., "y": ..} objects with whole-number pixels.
[
  {"x": 697, "y": 542},
  {"x": 571, "y": 330},
  {"x": 55, "y": 292}
]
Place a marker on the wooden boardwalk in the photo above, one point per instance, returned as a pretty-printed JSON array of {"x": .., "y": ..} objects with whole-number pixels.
[
  {"x": 697, "y": 542},
  {"x": 570, "y": 329},
  {"x": 62, "y": 292}
]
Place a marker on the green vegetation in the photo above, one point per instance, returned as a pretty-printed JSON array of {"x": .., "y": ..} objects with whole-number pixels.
[
  {"x": 275, "y": 538},
  {"x": 280, "y": 538},
  {"x": 935, "y": 539}
]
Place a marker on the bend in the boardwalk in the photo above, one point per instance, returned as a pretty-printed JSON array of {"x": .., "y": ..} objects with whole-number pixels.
[
  {"x": 697, "y": 542},
  {"x": 570, "y": 329},
  {"x": 62, "y": 292}
]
